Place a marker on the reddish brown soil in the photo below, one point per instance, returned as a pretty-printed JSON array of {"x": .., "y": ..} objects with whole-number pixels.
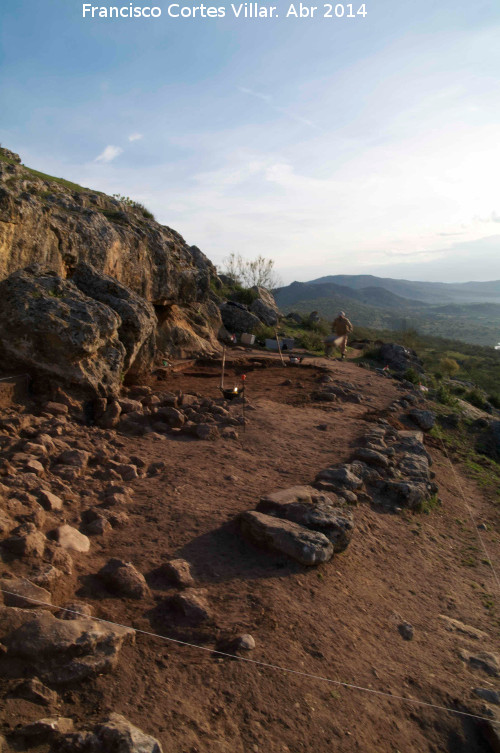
[{"x": 338, "y": 620}]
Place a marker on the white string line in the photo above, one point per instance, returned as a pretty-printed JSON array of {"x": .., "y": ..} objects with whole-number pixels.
[
  {"x": 469, "y": 509},
  {"x": 267, "y": 665}
]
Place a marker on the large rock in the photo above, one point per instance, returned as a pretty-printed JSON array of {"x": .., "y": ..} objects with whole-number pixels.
[
  {"x": 57, "y": 225},
  {"x": 50, "y": 328},
  {"x": 62, "y": 651},
  {"x": 114, "y": 735},
  {"x": 306, "y": 506},
  {"x": 265, "y": 307},
  {"x": 20, "y": 592},
  {"x": 301, "y": 544},
  {"x": 425, "y": 419},
  {"x": 237, "y": 318},
  {"x": 341, "y": 477},
  {"x": 138, "y": 318},
  {"x": 399, "y": 358}
]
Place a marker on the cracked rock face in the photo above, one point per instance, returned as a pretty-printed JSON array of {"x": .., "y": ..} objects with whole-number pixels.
[
  {"x": 50, "y": 328},
  {"x": 61, "y": 651}
]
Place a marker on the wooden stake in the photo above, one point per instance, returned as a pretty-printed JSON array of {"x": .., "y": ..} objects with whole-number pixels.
[
  {"x": 279, "y": 348},
  {"x": 223, "y": 367}
]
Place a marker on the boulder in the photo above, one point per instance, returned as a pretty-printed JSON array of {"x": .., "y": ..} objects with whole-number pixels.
[
  {"x": 301, "y": 544},
  {"x": 265, "y": 307},
  {"x": 50, "y": 501},
  {"x": 425, "y": 419},
  {"x": 62, "y": 651},
  {"x": 371, "y": 457},
  {"x": 124, "y": 579},
  {"x": 51, "y": 329},
  {"x": 485, "y": 661},
  {"x": 399, "y": 358},
  {"x": 306, "y": 506},
  {"x": 138, "y": 318},
  {"x": 237, "y": 318}
]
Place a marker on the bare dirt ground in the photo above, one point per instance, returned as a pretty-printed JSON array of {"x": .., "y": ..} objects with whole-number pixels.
[{"x": 339, "y": 620}]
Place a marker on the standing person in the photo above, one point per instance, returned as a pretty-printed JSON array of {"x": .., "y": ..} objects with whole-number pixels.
[{"x": 341, "y": 327}]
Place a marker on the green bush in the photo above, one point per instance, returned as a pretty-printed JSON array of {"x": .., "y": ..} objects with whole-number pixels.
[
  {"x": 444, "y": 395},
  {"x": 312, "y": 341},
  {"x": 495, "y": 401},
  {"x": 475, "y": 397},
  {"x": 412, "y": 376}
]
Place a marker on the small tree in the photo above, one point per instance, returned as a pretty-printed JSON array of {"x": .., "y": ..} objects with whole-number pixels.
[
  {"x": 259, "y": 272},
  {"x": 449, "y": 366}
]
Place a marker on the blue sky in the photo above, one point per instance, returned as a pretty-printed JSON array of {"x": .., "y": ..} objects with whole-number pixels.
[{"x": 330, "y": 145}]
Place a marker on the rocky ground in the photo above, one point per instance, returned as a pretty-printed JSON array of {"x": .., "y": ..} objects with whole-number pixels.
[{"x": 315, "y": 528}]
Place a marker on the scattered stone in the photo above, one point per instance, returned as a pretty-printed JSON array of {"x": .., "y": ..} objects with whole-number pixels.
[
  {"x": 179, "y": 571},
  {"x": 206, "y": 431},
  {"x": 46, "y": 576},
  {"x": 193, "y": 605},
  {"x": 245, "y": 642},
  {"x": 425, "y": 419},
  {"x": 71, "y": 539},
  {"x": 125, "y": 579},
  {"x": 99, "y": 527},
  {"x": 46, "y": 730},
  {"x": 406, "y": 631},
  {"x": 301, "y": 544},
  {"x": 117, "y": 735},
  {"x": 74, "y": 610},
  {"x": 341, "y": 477},
  {"x": 487, "y": 662},
  {"x": 371, "y": 457},
  {"x": 459, "y": 627},
  {"x": 56, "y": 409},
  {"x": 76, "y": 458},
  {"x": 488, "y": 695},
  {"x": 229, "y": 433},
  {"x": 20, "y": 592},
  {"x": 26, "y": 541},
  {"x": 50, "y": 501},
  {"x": 35, "y": 691},
  {"x": 34, "y": 466}
]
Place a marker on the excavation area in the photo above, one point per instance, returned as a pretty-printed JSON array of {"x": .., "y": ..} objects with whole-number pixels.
[{"x": 192, "y": 678}]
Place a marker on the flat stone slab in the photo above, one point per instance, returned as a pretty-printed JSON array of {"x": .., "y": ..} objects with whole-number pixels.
[
  {"x": 301, "y": 544},
  {"x": 70, "y": 538},
  {"x": 483, "y": 660},
  {"x": 20, "y": 592},
  {"x": 459, "y": 627},
  {"x": 308, "y": 507}
]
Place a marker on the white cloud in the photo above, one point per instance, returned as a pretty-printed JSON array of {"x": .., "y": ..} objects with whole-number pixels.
[
  {"x": 109, "y": 154},
  {"x": 135, "y": 137}
]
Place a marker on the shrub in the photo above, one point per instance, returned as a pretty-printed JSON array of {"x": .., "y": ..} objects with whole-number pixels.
[
  {"x": 412, "y": 376},
  {"x": 444, "y": 395},
  {"x": 449, "y": 366},
  {"x": 312, "y": 341},
  {"x": 495, "y": 401},
  {"x": 475, "y": 397}
]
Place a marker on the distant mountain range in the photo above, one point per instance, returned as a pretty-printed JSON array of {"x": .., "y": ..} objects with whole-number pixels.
[{"x": 467, "y": 311}]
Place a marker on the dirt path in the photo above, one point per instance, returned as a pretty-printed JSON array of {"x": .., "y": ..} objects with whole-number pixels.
[{"x": 339, "y": 620}]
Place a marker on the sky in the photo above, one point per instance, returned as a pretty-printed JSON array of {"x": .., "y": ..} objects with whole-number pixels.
[{"x": 331, "y": 145}]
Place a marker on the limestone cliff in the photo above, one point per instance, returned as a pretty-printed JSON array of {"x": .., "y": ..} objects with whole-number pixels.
[{"x": 56, "y": 224}]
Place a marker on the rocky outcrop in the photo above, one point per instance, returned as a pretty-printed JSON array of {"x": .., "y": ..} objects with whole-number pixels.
[
  {"x": 58, "y": 224},
  {"x": 399, "y": 358},
  {"x": 138, "y": 319},
  {"x": 50, "y": 328},
  {"x": 237, "y": 318},
  {"x": 265, "y": 307},
  {"x": 113, "y": 735}
]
